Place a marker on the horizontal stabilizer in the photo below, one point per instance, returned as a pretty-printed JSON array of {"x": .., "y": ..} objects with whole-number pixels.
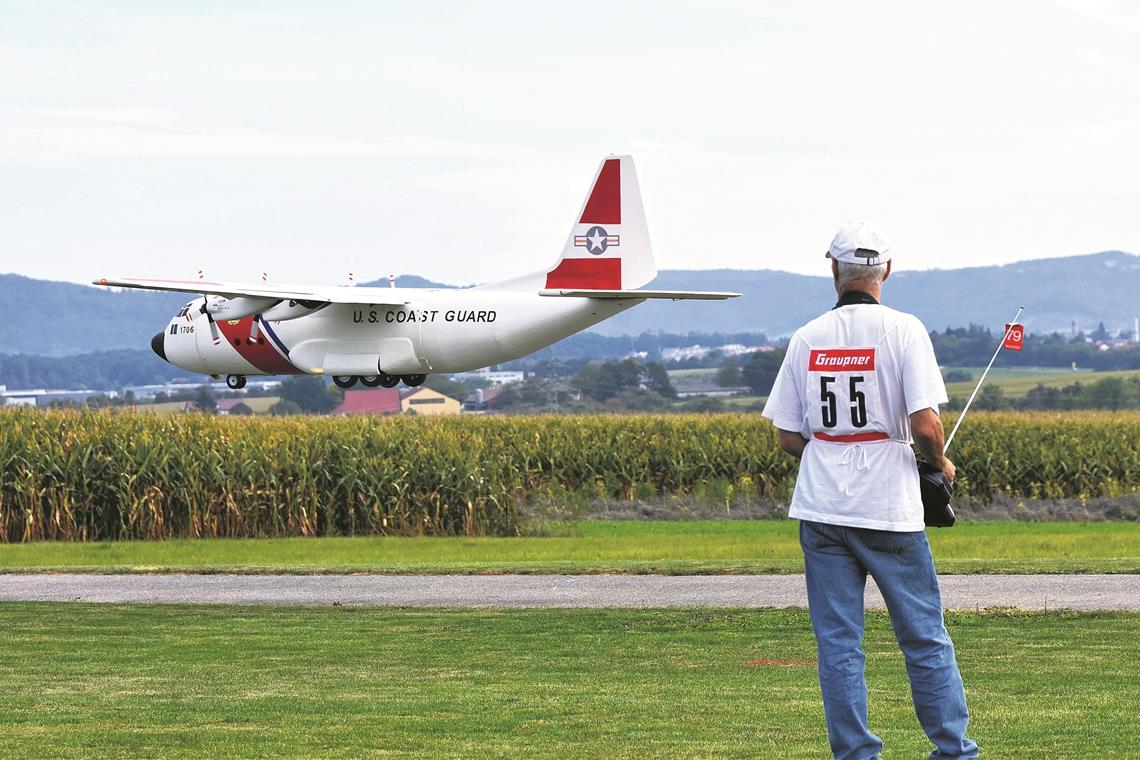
[
  {"x": 343, "y": 295},
  {"x": 671, "y": 295}
]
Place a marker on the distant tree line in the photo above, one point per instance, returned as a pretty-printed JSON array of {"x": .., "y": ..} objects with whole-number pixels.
[
  {"x": 973, "y": 346},
  {"x": 955, "y": 347},
  {"x": 1110, "y": 393},
  {"x": 584, "y": 347},
  {"x": 98, "y": 371},
  {"x": 625, "y": 385}
]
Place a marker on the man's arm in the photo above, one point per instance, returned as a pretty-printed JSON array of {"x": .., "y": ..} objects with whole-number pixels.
[
  {"x": 929, "y": 437},
  {"x": 792, "y": 443}
]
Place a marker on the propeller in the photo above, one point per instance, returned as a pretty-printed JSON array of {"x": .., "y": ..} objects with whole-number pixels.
[{"x": 214, "y": 332}]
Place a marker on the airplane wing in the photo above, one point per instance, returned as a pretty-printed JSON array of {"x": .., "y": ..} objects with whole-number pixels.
[
  {"x": 672, "y": 295},
  {"x": 323, "y": 294}
]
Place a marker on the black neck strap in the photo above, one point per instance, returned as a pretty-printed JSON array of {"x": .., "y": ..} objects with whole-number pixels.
[{"x": 853, "y": 297}]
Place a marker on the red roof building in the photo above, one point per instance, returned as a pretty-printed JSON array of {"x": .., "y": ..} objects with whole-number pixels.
[{"x": 370, "y": 401}]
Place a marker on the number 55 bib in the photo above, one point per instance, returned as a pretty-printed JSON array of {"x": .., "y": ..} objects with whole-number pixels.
[{"x": 844, "y": 383}]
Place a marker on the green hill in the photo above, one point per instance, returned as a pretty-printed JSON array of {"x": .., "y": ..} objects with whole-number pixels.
[{"x": 59, "y": 319}]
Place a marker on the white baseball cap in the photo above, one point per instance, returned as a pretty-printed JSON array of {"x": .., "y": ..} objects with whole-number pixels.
[{"x": 859, "y": 243}]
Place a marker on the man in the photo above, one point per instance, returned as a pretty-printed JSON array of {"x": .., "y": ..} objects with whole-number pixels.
[{"x": 856, "y": 386}]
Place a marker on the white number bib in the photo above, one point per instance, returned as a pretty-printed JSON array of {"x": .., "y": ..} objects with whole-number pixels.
[{"x": 844, "y": 382}]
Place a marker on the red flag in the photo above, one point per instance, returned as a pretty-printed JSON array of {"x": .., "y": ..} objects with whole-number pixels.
[{"x": 1014, "y": 335}]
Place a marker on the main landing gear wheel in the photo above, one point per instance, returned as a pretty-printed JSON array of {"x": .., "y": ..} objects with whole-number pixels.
[
  {"x": 414, "y": 381},
  {"x": 344, "y": 381},
  {"x": 388, "y": 381},
  {"x": 370, "y": 381},
  {"x": 235, "y": 382}
]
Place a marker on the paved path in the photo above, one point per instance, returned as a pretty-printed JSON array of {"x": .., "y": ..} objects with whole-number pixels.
[{"x": 1031, "y": 592}]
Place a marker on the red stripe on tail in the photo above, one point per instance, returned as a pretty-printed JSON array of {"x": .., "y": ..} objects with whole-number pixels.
[
  {"x": 604, "y": 205},
  {"x": 587, "y": 274}
]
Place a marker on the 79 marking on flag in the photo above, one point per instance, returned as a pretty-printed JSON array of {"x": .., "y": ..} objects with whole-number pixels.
[{"x": 1014, "y": 336}]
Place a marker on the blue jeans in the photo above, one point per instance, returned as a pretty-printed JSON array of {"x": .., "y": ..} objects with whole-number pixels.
[{"x": 837, "y": 561}]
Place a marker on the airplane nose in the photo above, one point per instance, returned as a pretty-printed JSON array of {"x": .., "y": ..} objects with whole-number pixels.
[{"x": 158, "y": 345}]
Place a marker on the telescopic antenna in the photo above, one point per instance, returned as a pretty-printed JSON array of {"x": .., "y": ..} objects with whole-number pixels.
[{"x": 977, "y": 387}]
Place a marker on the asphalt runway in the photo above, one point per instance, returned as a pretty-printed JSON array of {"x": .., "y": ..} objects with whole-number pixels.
[{"x": 1029, "y": 592}]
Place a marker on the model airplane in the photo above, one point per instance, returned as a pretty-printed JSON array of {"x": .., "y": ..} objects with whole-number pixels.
[{"x": 380, "y": 336}]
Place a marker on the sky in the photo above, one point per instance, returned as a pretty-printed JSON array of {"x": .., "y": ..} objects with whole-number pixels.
[{"x": 457, "y": 140}]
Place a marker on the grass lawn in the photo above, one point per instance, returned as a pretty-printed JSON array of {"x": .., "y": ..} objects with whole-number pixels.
[
  {"x": 173, "y": 681},
  {"x": 728, "y": 546}
]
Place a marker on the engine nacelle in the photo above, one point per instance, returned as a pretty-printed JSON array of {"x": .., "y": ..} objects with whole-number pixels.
[
  {"x": 291, "y": 310},
  {"x": 235, "y": 308}
]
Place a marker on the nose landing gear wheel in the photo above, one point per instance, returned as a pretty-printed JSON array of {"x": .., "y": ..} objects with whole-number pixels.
[
  {"x": 370, "y": 381},
  {"x": 344, "y": 381},
  {"x": 414, "y": 381},
  {"x": 235, "y": 382}
]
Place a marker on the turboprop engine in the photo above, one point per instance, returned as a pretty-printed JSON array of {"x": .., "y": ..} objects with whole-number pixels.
[
  {"x": 240, "y": 306},
  {"x": 289, "y": 309}
]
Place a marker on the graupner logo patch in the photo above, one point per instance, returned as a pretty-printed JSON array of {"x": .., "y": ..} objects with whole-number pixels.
[{"x": 841, "y": 360}]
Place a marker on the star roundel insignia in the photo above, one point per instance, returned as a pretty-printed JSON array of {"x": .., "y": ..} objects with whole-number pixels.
[{"x": 596, "y": 240}]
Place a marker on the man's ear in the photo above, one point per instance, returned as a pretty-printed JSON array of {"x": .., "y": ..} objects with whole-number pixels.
[
  {"x": 888, "y": 272},
  {"x": 835, "y": 270}
]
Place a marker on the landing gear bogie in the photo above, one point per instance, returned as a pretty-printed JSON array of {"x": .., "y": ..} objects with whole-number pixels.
[{"x": 382, "y": 380}]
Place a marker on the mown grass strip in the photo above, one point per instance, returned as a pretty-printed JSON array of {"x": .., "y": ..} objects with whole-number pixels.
[
  {"x": 618, "y": 546},
  {"x": 152, "y": 681}
]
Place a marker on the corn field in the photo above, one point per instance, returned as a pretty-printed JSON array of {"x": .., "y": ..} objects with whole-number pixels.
[{"x": 99, "y": 475}]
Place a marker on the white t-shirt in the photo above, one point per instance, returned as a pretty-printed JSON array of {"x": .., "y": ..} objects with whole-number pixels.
[{"x": 849, "y": 383}]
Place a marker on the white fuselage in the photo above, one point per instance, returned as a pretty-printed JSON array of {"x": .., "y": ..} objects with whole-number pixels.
[{"x": 437, "y": 330}]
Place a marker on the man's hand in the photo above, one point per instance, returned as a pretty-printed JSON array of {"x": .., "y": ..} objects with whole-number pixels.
[{"x": 929, "y": 438}]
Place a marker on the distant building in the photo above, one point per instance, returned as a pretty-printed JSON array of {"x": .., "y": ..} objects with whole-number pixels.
[
  {"x": 737, "y": 349},
  {"x": 700, "y": 352},
  {"x": 256, "y": 404},
  {"x": 483, "y": 399},
  {"x": 45, "y": 397},
  {"x": 681, "y": 354},
  {"x": 370, "y": 401},
  {"x": 167, "y": 407},
  {"x": 396, "y": 401},
  {"x": 427, "y": 401},
  {"x": 143, "y": 392},
  {"x": 495, "y": 377},
  {"x": 689, "y": 391}
]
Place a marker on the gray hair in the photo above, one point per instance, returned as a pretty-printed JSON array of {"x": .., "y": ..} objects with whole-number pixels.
[{"x": 850, "y": 274}]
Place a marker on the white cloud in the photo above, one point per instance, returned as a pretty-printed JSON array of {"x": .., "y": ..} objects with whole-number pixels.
[
  {"x": 81, "y": 134},
  {"x": 1110, "y": 12}
]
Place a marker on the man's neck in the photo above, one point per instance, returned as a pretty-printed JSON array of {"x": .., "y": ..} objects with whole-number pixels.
[{"x": 873, "y": 290}]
